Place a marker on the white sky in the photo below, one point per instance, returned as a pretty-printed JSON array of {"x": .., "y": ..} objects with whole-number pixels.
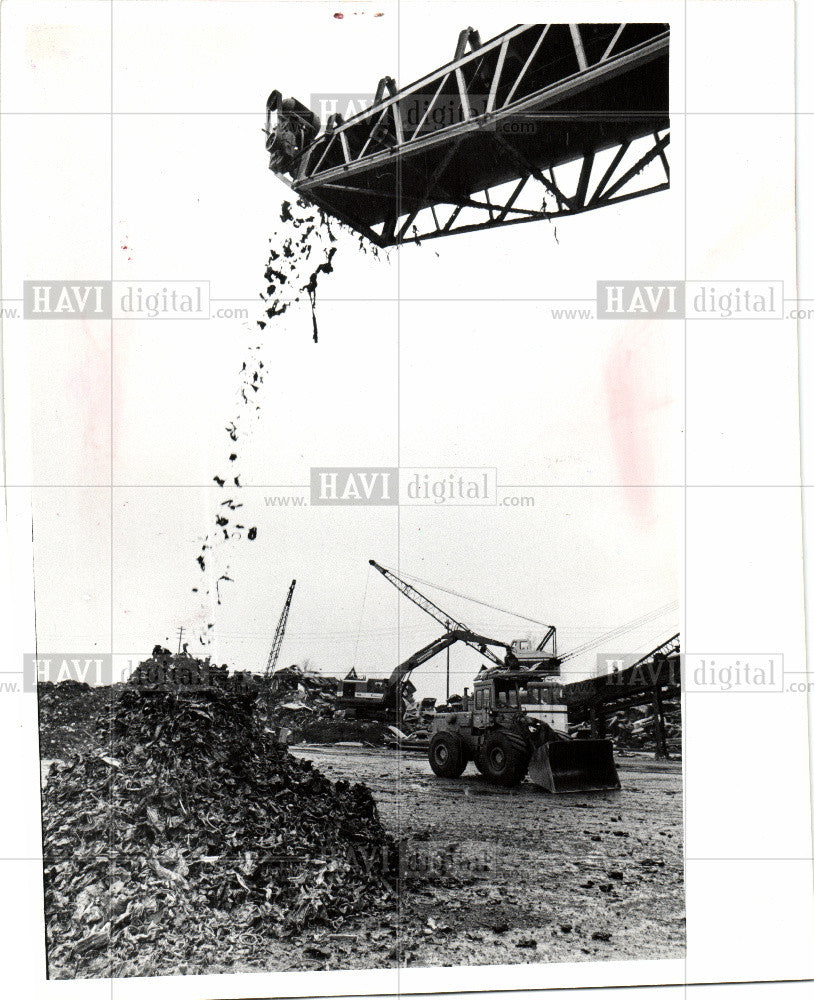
[{"x": 583, "y": 409}]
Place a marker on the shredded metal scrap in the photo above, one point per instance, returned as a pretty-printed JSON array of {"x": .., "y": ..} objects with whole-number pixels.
[{"x": 194, "y": 831}]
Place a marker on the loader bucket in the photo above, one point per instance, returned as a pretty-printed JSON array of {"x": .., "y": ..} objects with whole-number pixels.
[{"x": 574, "y": 766}]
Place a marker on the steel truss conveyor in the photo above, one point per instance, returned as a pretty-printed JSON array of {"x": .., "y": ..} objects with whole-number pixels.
[{"x": 479, "y": 143}]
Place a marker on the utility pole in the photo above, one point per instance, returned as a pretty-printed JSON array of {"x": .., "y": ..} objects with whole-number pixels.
[{"x": 180, "y": 637}]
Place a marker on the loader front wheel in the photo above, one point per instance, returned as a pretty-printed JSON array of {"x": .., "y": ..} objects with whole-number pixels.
[
  {"x": 447, "y": 757},
  {"x": 502, "y": 761}
]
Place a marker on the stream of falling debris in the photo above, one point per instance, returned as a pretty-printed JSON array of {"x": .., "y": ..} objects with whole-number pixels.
[{"x": 301, "y": 251}]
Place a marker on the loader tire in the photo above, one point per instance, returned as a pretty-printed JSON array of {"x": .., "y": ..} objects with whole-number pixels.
[
  {"x": 502, "y": 761},
  {"x": 447, "y": 756}
]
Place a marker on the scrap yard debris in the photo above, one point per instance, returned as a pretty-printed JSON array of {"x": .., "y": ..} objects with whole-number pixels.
[
  {"x": 71, "y": 714},
  {"x": 297, "y": 706},
  {"x": 634, "y": 728},
  {"x": 302, "y": 706},
  {"x": 192, "y": 834},
  {"x": 303, "y": 233}
]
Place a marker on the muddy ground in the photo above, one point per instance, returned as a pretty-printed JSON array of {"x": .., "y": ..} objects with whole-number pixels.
[
  {"x": 497, "y": 876},
  {"x": 518, "y": 875}
]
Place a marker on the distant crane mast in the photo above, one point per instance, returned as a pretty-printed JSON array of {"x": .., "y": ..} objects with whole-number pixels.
[
  {"x": 274, "y": 653},
  {"x": 434, "y": 611}
]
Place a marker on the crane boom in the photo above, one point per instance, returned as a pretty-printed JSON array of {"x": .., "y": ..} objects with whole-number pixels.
[
  {"x": 385, "y": 698},
  {"x": 277, "y": 642},
  {"x": 479, "y": 642},
  {"x": 437, "y": 613}
]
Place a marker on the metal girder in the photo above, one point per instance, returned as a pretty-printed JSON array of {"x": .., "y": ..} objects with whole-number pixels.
[
  {"x": 659, "y": 669},
  {"x": 421, "y": 137},
  {"x": 498, "y": 118},
  {"x": 496, "y": 211}
]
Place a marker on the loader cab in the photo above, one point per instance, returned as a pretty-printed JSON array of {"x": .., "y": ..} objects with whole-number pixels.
[
  {"x": 506, "y": 693},
  {"x": 532, "y": 694},
  {"x": 495, "y": 694}
]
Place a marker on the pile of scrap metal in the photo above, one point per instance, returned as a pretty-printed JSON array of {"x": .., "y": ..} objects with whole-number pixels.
[
  {"x": 295, "y": 680},
  {"x": 636, "y": 728},
  {"x": 293, "y": 699},
  {"x": 71, "y": 714},
  {"x": 189, "y": 834},
  {"x": 303, "y": 706}
]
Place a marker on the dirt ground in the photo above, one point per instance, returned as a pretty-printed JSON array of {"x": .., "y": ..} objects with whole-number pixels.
[
  {"x": 497, "y": 876},
  {"x": 500, "y": 876}
]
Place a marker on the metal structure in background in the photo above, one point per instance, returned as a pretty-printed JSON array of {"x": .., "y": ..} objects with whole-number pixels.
[
  {"x": 647, "y": 681},
  {"x": 475, "y": 144},
  {"x": 277, "y": 642}
]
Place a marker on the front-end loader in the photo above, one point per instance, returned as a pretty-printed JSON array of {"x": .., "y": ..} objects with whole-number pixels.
[{"x": 507, "y": 731}]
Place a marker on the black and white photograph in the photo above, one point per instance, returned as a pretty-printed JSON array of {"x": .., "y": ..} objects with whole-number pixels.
[{"x": 405, "y": 468}]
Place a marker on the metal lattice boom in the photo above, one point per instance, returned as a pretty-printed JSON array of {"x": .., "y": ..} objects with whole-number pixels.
[
  {"x": 432, "y": 609},
  {"x": 277, "y": 642},
  {"x": 478, "y": 143}
]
